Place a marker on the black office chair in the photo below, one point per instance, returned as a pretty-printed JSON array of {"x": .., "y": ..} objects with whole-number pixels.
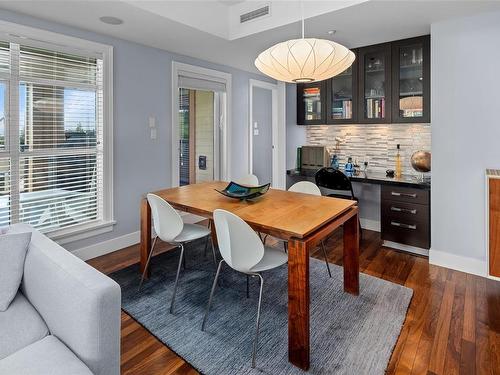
[{"x": 333, "y": 179}]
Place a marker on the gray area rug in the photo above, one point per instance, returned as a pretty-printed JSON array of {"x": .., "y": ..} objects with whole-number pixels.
[{"x": 349, "y": 335}]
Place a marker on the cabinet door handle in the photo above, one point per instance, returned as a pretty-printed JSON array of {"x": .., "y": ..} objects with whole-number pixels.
[
  {"x": 397, "y": 194},
  {"x": 407, "y": 210},
  {"x": 407, "y": 226}
]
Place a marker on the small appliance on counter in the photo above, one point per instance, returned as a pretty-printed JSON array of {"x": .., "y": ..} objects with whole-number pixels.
[{"x": 314, "y": 157}]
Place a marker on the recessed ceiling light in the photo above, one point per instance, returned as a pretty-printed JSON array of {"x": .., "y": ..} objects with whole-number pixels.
[
  {"x": 332, "y": 32},
  {"x": 111, "y": 20}
]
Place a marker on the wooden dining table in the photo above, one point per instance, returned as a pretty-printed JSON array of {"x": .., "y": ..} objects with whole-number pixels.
[{"x": 301, "y": 219}]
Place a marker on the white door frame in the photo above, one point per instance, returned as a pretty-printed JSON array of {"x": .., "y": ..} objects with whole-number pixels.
[
  {"x": 194, "y": 71},
  {"x": 278, "y": 130}
]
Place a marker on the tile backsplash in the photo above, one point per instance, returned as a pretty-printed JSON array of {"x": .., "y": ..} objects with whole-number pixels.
[{"x": 375, "y": 143}]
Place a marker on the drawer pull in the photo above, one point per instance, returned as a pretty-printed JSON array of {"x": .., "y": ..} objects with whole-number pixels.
[
  {"x": 407, "y": 226},
  {"x": 406, "y": 210},
  {"x": 397, "y": 194}
]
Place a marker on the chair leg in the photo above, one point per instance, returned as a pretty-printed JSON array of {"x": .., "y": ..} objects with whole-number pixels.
[
  {"x": 248, "y": 286},
  {"x": 147, "y": 262},
  {"x": 213, "y": 253},
  {"x": 256, "y": 340},
  {"x": 177, "y": 279},
  {"x": 211, "y": 295},
  {"x": 285, "y": 247},
  {"x": 326, "y": 258},
  {"x": 206, "y": 246}
]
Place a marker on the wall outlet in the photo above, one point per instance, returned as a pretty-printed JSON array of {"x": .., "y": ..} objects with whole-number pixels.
[
  {"x": 153, "y": 133},
  {"x": 256, "y": 132}
]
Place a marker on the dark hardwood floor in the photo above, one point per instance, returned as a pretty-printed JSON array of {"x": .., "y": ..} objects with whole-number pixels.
[{"x": 452, "y": 326}]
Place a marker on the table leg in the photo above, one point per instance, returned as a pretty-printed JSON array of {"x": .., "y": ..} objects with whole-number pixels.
[
  {"x": 298, "y": 304},
  {"x": 145, "y": 247},
  {"x": 351, "y": 255},
  {"x": 213, "y": 233}
]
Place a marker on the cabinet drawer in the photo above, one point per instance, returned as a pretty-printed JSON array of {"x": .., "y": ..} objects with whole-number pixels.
[
  {"x": 402, "y": 211},
  {"x": 408, "y": 232},
  {"x": 405, "y": 194}
]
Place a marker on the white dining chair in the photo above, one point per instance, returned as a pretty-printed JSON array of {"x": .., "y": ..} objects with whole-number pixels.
[
  {"x": 243, "y": 251},
  {"x": 307, "y": 187},
  {"x": 170, "y": 228},
  {"x": 248, "y": 180}
]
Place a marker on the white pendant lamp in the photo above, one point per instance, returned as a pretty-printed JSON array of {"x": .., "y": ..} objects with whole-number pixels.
[{"x": 304, "y": 60}]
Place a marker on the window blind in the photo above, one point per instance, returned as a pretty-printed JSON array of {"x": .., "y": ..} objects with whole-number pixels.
[
  {"x": 53, "y": 169},
  {"x": 201, "y": 84}
]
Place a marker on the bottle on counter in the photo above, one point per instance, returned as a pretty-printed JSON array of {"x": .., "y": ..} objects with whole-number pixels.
[
  {"x": 349, "y": 167},
  {"x": 334, "y": 162},
  {"x": 398, "y": 162}
]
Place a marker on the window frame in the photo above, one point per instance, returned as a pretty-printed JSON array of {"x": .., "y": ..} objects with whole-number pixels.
[{"x": 38, "y": 38}]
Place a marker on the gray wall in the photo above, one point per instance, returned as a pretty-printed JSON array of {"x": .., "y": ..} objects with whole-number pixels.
[
  {"x": 142, "y": 87},
  {"x": 262, "y": 153},
  {"x": 465, "y": 131}
]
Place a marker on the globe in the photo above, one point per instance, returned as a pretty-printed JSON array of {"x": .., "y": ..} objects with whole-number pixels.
[{"x": 421, "y": 161}]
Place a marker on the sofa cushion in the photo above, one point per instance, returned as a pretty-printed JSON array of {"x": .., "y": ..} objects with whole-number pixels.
[
  {"x": 20, "y": 326},
  {"x": 47, "y": 356},
  {"x": 13, "y": 248}
]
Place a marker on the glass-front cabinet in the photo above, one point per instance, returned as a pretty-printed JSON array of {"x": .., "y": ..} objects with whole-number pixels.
[
  {"x": 410, "y": 77},
  {"x": 387, "y": 83},
  {"x": 375, "y": 83},
  {"x": 342, "y": 96},
  {"x": 311, "y": 100}
]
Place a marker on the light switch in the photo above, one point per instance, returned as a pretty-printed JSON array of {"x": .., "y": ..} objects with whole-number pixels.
[
  {"x": 255, "y": 125},
  {"x": 152, "y": 122},
  {"x": 153, "y": 133}
]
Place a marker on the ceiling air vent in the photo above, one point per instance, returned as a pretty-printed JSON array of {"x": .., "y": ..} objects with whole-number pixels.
[{"x": 257, "y": 13}]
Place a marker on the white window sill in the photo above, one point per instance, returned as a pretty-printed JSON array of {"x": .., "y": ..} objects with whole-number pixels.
[{"x": 66, "y": 235}]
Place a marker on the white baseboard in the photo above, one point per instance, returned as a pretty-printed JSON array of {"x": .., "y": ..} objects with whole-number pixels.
[
  {"x": 458, "y": 262},
  {"x": 370, "y": 224},
  {"x": 106, "y": 247}
]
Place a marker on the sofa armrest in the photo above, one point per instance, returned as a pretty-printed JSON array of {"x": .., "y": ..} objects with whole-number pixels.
[{"x": 80, "y": 305}]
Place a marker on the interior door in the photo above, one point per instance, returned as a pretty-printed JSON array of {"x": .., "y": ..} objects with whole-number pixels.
[{"x": 262, "y": 133}]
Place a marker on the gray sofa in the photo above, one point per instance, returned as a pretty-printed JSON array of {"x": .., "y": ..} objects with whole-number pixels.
[{"x": 64, "y": 320}]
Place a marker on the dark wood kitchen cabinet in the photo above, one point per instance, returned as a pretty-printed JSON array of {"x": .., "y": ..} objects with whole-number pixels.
[
  {"x": 387, "y": 83},
  {"x": 411, "y": 80},
  {"x": 342, "y": 96},
  {"x": 405, "y": 216},
  {"x": 311, "y": 103},
  {"x": 375, "y": 84}
]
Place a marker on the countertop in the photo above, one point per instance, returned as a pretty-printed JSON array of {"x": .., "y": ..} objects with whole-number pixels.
[{"x": 370, "y": 178}]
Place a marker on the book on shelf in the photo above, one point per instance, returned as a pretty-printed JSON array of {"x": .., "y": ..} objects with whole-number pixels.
[{"x": 375, "y": 108}]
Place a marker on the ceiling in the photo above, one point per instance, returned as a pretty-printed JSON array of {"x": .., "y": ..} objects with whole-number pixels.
[{"x": 162, "y": 24}]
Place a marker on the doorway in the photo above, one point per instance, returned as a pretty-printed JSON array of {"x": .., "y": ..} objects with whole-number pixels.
[
  {"x": 267, "y": 132},
  {"x": 199, "y": 135},
  {"x": 201, "y": 112}
]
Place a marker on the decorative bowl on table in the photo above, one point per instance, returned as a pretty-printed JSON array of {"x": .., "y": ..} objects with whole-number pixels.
[{"x": 242, "y": 192}]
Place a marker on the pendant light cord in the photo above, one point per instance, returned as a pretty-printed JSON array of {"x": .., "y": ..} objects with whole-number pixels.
[{"x": 302, "y": 16}]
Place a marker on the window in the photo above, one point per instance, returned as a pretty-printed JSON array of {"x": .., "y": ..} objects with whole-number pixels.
[{"x": 54, "y": 157}]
